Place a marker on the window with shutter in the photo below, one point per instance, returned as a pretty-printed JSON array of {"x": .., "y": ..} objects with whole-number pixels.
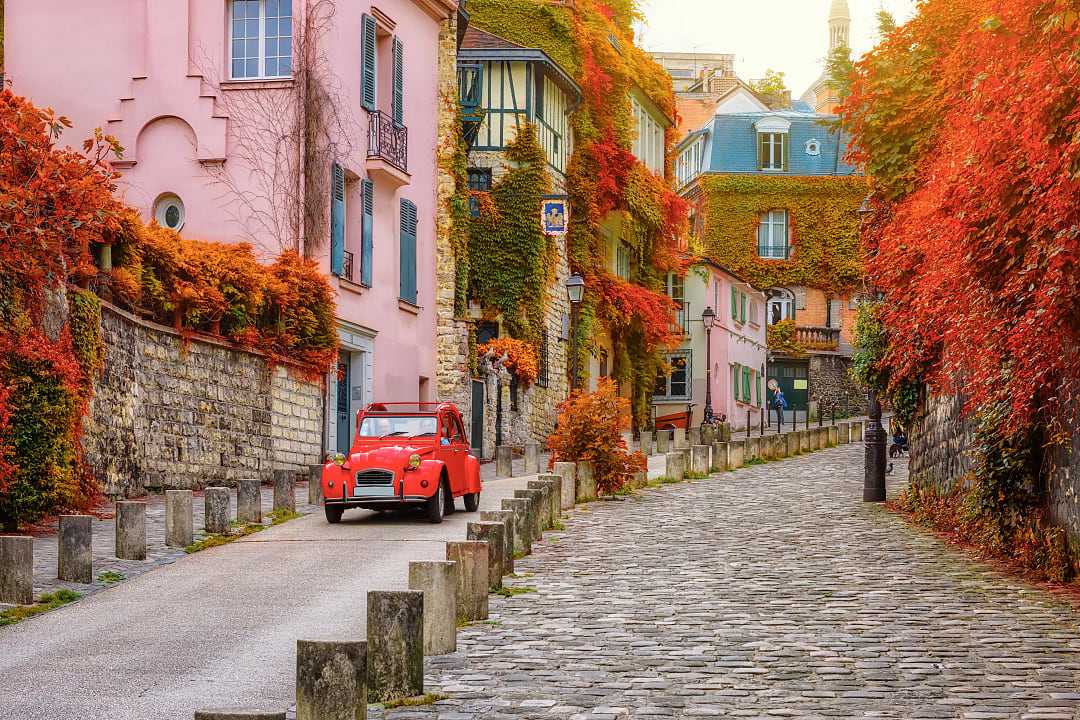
[
  {"x": 369, "y": 58},
  {"x": 746, "y": 385},
  {"x": 337, "y": 219},
  {"x": 399, "y": 82},
  {"x": 734, "y": 303},
  {"x": 408, "y": 252},
  {"x": 742, "y": 307},
  {"x": 367, "y": 232}
]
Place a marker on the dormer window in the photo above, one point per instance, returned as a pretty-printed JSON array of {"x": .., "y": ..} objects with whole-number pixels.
[{"x": 773, "y": 144}]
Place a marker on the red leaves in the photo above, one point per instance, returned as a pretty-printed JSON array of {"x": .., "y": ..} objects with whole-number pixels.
[
  {"x": 521, "y": 357},
  {"x": 627, "y": 304}
]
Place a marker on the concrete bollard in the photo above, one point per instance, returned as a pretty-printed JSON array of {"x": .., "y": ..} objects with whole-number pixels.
[
  {"x": 678, "y": 439},
  {"x": 331, "y": 680},
  {"x": 857, "y": 428},
  {"x": 314, "y": 485},
  {"x": 130, "y": 530},
  {"x": 16, "y": 569},
  {"x": 675, "y": 466},
  {"x": 736, "y": 454},
  {"x": 700, "y": 461},
  {"x": 179, "y": 525},
  {"x": 554, "y": 483},
  {"x": 472, "y": 578},
  {"x": 693, "y": 436},
  {"x": 821, "y": 438},
  {"x": 507, "y": 519},
  {"x": 646, "y": 443},
  {"x": 753, "y": 448},
  {"x": 532, "y": 458},
  {"x": 284, "y": 490},
  {"x": 663, "y": 442},
  {"x": 709, "y": 435},
  {"x": 547, "y": 519},
  {"x": 586, "y": 482},
  {"x": 843, "y": 433},
  {"x": 395, "y": 645},
  {"x": 249, "y": 501},
  {"x": 804, "y": 441},
  {"x": 438, "y": 582},
  {"x": 522, "y": 530},
  {"x": 568, "y": 472},
  {"x": 725, "y": 432},
  {"x": 639, "y": 480},
  {"x": 75, "y": 558},
  {"x": 779, "y": 447},
  {"x": 239, "y": 714},
  {"x": 834, "y": 436},
  {"x": 537, "y": 511},
  {"x": 504, "y": 461},
  {"x": 791, "y": 440},
  {"x": 719, "y": 457},
  {"x": 216, "y": 510},
  {"x": 493, "y": 534},
  {"x": 628, "y": 439}
]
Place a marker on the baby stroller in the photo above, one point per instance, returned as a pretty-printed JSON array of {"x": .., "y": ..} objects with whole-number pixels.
[{"x": 899, "y": 444}]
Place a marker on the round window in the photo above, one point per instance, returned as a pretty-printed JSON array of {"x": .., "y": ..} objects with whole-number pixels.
[{"x": 169, "y": 212}]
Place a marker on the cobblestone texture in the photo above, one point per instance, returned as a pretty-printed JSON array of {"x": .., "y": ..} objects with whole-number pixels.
[{"x": 768, "y": 592}]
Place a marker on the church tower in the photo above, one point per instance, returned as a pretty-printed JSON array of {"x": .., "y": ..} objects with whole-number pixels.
[{"x": 839, "y": 25}]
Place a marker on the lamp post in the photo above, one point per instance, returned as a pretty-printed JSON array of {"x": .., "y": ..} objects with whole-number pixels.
[
  {"x": 708, "y": 318},
  {"x": 874, "y": 437},
  {"x": 575, "y": 291}
]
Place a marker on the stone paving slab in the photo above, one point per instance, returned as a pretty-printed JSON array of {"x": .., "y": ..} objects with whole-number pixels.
[{"x": 768, "y": 592}]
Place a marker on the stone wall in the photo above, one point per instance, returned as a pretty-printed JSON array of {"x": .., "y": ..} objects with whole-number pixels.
[
  {"x": 831, "y": 385},
  {"x": 170, "y": 413}
]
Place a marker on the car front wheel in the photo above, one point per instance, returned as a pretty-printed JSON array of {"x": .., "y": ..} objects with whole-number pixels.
[
  {"x": 472, "y": 502},
  {"x": 436, "y": 506},
  {"x": 333, "y": 514}
]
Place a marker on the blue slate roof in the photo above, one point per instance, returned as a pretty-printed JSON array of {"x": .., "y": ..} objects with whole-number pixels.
[{"x": 731, "y": 144}]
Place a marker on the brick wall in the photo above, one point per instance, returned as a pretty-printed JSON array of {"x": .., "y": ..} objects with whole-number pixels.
[{"x": 170, "y": 413}]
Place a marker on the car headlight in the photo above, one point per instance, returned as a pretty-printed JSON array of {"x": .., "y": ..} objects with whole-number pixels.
[
  {"x": 339, "y": 459},
  {"x": 414, "y": 462}
]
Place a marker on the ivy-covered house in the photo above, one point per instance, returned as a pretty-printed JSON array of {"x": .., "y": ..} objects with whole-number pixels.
[{"x": 773, "y": 198}]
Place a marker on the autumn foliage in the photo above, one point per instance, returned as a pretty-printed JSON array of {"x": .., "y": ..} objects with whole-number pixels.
[
  {"x": 589, "y": 429},
  {"x": 520, "y": 357}
]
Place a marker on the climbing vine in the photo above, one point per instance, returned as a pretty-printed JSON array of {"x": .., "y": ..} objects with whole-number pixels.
[{"x": 521, "y": 359}]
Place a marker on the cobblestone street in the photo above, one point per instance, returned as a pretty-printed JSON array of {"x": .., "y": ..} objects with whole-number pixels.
[{"x": 768, "y": 592}]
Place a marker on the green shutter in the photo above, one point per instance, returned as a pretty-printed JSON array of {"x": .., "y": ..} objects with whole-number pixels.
[
  {"x": 408, "y": 252},
  {"x": 757, "y": 391},
  {"x": 368, "y": 62},
  {"x": 367, "y": 232},
  {"x": 399, "y": 82},
  {"x": 787, "y": 150},
  {"x": 734, "y": 303},
  {"x": 337, "y": 219},
  {"x": 742, "y": 307},
  {"x": 735, "y": 381},
  {"x": 746, "y": 384}
]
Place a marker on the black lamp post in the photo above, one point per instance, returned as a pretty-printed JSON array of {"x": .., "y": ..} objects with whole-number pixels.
[
  {"x": 575, "y": 291},
  {"x": 874, "y": 437},
  {"x": 708, "y": 318}
]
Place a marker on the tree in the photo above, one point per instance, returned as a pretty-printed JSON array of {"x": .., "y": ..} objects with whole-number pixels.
[{"x": 772, "y": 84}]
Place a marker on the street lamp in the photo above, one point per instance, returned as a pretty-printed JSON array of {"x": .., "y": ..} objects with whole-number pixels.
[
  {"x": 874, "y": 437},
  {"x": 575, "y": 291},
  {"x": 708, "y": 317}
]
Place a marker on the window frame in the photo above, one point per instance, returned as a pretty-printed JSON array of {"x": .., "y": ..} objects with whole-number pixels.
[
  {"x": 770, "y": 246},
  {"x": 262, "y": 44},
  {"x": 689, "y": 382},
  {"x": 623, "y": 259},
  {"x": 775, "y": 143}
]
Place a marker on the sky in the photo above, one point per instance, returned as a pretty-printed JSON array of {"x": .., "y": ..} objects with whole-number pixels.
[{"x": 790, "y": 36}]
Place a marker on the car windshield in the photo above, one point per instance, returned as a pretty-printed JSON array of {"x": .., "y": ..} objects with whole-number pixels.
[{"x": 397, "y": 426}]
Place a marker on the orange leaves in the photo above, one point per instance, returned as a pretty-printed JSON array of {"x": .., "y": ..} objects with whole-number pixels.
[
  {"x": 521, "y": 358},
  {"x": 626, "y": 304}
]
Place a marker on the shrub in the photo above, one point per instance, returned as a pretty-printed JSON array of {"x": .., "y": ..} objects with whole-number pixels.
[{"x": 589, "y": 429}]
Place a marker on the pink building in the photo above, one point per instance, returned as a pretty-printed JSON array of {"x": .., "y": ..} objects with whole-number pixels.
[
  {"x": 736, "y": 349},
  {"x": 308, "y": 124}
]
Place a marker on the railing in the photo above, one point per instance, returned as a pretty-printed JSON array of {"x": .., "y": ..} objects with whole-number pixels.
[
  {"x": 347, "y": 266},
  {"x": 818, "y": 338},
  {"x": 388, "y": 141},
  {"x": 680, "y": 322},
  {"x": 774, "y": 252}
]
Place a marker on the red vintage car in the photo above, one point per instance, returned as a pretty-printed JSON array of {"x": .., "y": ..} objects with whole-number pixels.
[{"x": 404, "y": 455}]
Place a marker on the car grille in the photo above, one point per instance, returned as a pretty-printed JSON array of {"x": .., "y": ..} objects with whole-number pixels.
[{"x": 374, "y": 477}]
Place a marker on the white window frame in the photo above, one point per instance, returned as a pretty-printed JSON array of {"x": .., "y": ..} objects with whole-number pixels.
[
  {"x": 775, "y": 144},
  {"x": 622, "y": 260},
  {"x": 689, "y": 355},
  {"x": 768, "y": 221},
  {"x": 262, "y": 45}
]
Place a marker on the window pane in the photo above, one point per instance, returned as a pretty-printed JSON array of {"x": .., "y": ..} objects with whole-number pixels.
[
  {"x": 238, "y": 68},
  {"x": 271, "y": 7},
  {"x": 271, "y": 67},
  {"x": 285, "y": 65},
  {"x": 251, "y": 27},
  {"x": 252, "y": 68}
]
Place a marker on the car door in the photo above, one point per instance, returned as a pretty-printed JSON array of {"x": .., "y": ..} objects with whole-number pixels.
[{"x": 452, "y": 451}]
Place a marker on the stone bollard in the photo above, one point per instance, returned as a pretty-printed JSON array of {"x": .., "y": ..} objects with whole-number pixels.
[
  {"x": 504, "y": 461},
  {"x": 492, "y": 533},
  {"x": 646, "y": 442},
  {"x": 438, "y": 582},
  {"x": 821, "y": 438},
  {"x": 179, "y": 525},
  {"x": 395, "y": 645},
  {"x": 628, "y": 439},
  {"x": 663, "y": 442},
  {"x": 779, "y": 447},
  {"x": 130, "y": 530},
  {"x": 239, "y": 714},
  {"x": 472, "y": 578},
  {"x": 284, "y": 490},
  {"x": 693, "y": 436},
  {"x": 725, "y": 432},
  {"x": 709, "y": 435},
  {"x": 554, "y": 483},
  {"x": 720, "y": 457},
  {"x": 791, "y": 440},
  {"x": 678, "y": 439},
  {"x": 843, "y": 433},
  {"x": 753, "y": 448},
  {"x": 331, "y": 680},
  {"x": 586, "y": 482},
  {"x": 547, "y": 519},
  {"x": 522, "y": 530},
  {"x": 314, "y": 485},
  {"x": 537, "y": 511},
  {"x": 568, "y": 472},
  {"x": 16, "y": 569},
  {"x": 532, "y": 458},
  {"x": 75, "y": 558},
  {"x": 676, "y": 466},
  {"x": 700, "y": 461},
  {"x": 216, "y": 510},
  {"x": 804, "y": 441},
  {"x": 857, "y": 428},
  {"x": 736, "y": 454},
  {"x": 639, "y": 480},
  {"x": 507, "y": 519},
  {"x": 834, "y": 436},
  {"x": 249, "y": 501}
]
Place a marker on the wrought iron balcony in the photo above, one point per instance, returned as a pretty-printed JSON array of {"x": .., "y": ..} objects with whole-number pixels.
[
  {"x": 388, "y": 141},
  {"x": 818, "y": 338},
  {"x": 680, "y": 322},
  {"x": 774, "y": 252}
]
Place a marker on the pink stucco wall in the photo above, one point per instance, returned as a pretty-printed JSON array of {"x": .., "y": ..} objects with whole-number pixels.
[{"x": 153, "y": 73}]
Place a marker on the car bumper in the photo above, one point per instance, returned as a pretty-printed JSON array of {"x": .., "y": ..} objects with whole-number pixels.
[{"x": 376, "y": 501}]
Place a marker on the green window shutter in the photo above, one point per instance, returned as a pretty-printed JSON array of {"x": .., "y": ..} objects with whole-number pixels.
[
  {"x": 399, "y": 82},
  {"x": 757, "y": 391},
  {"x": 368, "y": 62},
  {"x": 734, "y": 303},
  {"x": 746, "y": 384},
  {"x": 735, "y": 381},
  {"x": 367, "y": 232},
  {"x": 408, "y": 252},
  {"x": 787, "y": 150},
  {"x": 742, "y": 307},
  {"x": 337, "y": 219}
]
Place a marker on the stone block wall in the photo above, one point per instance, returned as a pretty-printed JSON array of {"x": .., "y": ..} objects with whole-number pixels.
[
  {"x": 831, "y": 385},
  {"x": 939, "y": 441},
  {"x": 170, "y": 413}
]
